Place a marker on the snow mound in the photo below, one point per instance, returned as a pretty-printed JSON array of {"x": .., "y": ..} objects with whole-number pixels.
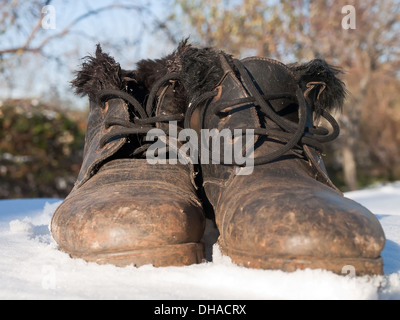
[{"x": 24, "y": 226}]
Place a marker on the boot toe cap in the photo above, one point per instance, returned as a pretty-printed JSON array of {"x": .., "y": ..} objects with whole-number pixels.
[
  {"x": 121, "y": 218},
  {"x": 314, "y": 223}
]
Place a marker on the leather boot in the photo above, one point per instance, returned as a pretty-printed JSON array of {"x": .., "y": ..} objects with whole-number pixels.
[
  {"x": 286, "y": 214},
  {"x": 123, "y": 210}
]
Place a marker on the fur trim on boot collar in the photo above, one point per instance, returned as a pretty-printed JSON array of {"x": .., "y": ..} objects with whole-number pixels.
[
  {"x": 199, "y": 71},
  {"x": 198, "y": 68},
  {"x": 97, "y": 73},
  {"x": 331, "y": 96}
]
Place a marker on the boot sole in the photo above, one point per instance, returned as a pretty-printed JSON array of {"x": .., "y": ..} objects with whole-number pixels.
[
  {"x": 172, "y": 255},
  {"x": 342, "y": 266}
]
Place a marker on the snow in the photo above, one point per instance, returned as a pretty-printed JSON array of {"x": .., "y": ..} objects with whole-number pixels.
[{"x": 31, "y": 267}]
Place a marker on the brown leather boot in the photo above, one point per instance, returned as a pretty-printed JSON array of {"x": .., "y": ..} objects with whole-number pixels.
[
  {"x": 123, "y": 210},
  {"x": 286, "y": 214}
]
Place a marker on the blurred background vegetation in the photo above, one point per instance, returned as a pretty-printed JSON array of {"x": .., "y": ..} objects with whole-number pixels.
[{"x": 42, "y": 124}]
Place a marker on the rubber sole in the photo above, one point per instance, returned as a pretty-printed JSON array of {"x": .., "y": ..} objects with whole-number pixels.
[
  {"x": 343, "y": 266},
  {"x": 172, "y": 255}
]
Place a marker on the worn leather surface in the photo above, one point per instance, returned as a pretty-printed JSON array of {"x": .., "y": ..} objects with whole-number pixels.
[
  {"x": 123, "y": 210},
  {"x": 130, "y": 205},
  {"x": 94, "y": 155},
  {"x": 285, "y": 208}
]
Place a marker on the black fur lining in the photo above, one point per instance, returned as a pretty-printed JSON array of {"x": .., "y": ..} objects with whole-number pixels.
[
  {"x": 97, "y": 73},
  {"x": 199, "y": 71},
  {"x": 318, "y": 70},
  {"x": 150, "y": 71}
]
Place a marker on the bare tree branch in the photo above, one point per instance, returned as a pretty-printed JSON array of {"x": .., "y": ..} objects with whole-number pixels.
[{"x": 37, "y": 49}]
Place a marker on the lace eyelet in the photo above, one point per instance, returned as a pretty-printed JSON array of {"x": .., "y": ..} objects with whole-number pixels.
[
  {"x": 105, "y": 108},
  {"x": 218, "y": 93}
]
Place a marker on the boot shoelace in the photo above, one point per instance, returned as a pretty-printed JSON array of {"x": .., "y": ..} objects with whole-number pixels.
[
  {"x": 294, "y": 134},
  {"x": 143, "y": 121}
]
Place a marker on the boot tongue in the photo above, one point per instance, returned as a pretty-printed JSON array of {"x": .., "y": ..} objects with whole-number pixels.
[{"x": 273, "y": 77}]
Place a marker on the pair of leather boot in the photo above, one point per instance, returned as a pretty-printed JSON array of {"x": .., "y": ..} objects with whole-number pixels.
[{"x": 280, "y": 212}]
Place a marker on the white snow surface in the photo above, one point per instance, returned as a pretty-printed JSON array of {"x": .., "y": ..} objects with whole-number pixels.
[{"x": 31, "y": 267}]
